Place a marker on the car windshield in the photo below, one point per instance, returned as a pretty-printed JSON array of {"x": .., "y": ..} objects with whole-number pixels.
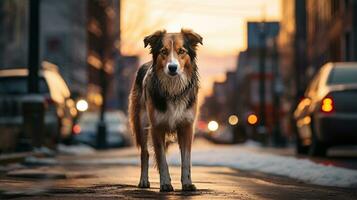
[
  {"x": 18, "y": 85},
  {"x": 343, "y": 75}
]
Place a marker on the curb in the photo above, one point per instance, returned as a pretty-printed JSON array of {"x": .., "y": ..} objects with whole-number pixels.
[{"x": 17, "y": 157}]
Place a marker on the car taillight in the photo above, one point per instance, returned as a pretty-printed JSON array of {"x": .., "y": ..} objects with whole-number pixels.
[
  {"x": 327, "y": 104},
  {"x": 76, "y": 129}
]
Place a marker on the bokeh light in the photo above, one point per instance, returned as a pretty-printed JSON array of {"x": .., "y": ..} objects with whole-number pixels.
[
  {"x": 213, "y": 125},
  {"x": 82, "y": 105},
  {"x": 233, "y": 120},
  {"x": 252, "y": 119}
]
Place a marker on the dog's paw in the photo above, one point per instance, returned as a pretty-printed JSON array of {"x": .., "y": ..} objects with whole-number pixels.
[
  {"x": 189, "y": 187},
  {"x": 144, "y": 184},
  {"x": 166, "y": 188}
]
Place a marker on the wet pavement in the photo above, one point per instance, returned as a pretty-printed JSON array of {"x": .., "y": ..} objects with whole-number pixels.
[
  {"x": 65, "y": 179},
  {"x": 107, "y": 182}
]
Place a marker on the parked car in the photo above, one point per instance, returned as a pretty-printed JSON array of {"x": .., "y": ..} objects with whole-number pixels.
[
  {"x": 327, "y": 116},
  {"x": 59, "y": 107},
  {"x": 116, "y": 125}
]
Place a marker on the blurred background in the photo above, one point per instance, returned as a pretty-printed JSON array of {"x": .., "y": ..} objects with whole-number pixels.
[
  {"x": 278, "y": 98},
  {"x": 66, "y": 68}
]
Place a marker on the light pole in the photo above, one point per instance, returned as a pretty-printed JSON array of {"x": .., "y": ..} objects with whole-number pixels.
[
  {"x": 103, "y": 50},
  {"x": 33, "y": 103},
  {"x": 354, "y": 27},
  {"x": 262, "y": 55},
  {"x": 277, "y": 89},
  {"x": 101, "y": 128}
]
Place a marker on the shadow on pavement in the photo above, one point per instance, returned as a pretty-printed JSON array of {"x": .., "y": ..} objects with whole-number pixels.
[{"x": 107, "y": 190}]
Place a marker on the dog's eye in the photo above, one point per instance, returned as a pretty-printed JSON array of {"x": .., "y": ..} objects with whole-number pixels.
[
  {"x": 181, "y": 51},
  {"x": 164, "y": 52}
]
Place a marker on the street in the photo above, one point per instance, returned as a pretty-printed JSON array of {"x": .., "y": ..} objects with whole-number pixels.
[
  {"x": 99, "y": 175},
  {"x": 266, "y": 90}
]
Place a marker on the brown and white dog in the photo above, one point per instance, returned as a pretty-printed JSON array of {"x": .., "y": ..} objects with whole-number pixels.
[{"x": 163, "y": 100}]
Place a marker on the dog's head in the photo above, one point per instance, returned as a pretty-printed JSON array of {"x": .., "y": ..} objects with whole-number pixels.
[{"x": 174, "y": 54}]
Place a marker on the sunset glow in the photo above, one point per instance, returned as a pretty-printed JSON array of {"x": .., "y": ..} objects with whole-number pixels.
[{"x": 222, "y": 25}]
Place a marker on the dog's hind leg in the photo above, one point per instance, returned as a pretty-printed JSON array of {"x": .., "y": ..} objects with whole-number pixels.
[
  {"x": 185, "y": 137},
  {"x": 136, "y": 123},
  {"x": 158, "y": 137}
]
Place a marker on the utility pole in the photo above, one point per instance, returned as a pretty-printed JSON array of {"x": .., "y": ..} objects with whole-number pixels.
[
  {"x": 103, "y": 53},
  {"x": 102, "y": 129},
  {"x": 33, "y": 46},
  {"x": 33, "y": 104},
  {"x": 2, "y": 40},
  {"x": 277, "y": 89},
  {"x": 300, "y": 62},
  {"x": 300, "y": 58},
  {"x": 354, "y": 27},
  {"x": 262, "y": 55}
]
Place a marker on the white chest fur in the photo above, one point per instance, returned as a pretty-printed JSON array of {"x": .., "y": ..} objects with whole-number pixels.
[{"x": 175, "y": 113}]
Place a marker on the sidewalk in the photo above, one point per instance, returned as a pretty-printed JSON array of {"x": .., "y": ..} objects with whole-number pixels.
[
  {"x": 14, "y": 157},
  {"x": 9, "y": 158}
]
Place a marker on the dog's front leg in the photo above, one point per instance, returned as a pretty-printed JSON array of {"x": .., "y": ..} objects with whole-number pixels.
[
  {"x": 158, "y": 136},
  {"x": 185, "y": 137}
]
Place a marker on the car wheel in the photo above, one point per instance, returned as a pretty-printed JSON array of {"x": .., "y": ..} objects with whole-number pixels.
[{"x": 317, "y": 148}]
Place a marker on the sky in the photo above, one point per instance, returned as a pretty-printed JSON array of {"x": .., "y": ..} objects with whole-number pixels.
[{"x": 221, "y": 23}]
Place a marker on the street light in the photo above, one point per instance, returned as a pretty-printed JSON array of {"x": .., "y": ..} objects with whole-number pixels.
[
  {"x": 82, "y": 105},
  {"x": 212, "y": 126},
  {"x": 233, "y": 120},
  {"x": 252, "y": 119}
]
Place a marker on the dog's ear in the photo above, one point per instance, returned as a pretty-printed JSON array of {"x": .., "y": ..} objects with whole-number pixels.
[
  {"x": 192, "y": 38},
  {"x": 154, "y": 38}
]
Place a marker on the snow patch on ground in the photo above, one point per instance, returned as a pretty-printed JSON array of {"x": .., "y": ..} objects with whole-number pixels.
[
  {"x": 80, "y": 149},
  {"x": 32, "y": 160},
  {"x": 300, "y": 169},
  {"x": 243, "y": 158},
  {"x": 251, "y": 143}
]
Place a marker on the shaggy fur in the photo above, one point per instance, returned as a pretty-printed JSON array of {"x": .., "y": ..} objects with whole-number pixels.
[{"x": 163, "y": 100}]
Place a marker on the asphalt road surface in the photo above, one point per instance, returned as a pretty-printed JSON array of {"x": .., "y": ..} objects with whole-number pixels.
[{"x": 107, "y": 181}]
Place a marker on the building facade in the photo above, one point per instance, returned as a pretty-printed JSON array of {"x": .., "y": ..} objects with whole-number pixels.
[
  {"x": 13, "y": 29},
  {"x": 239, "y": 93},
  {"x": 331, "y": 32},
  {"x": 79, "y": 37},
  {"x": 292, "y": 49},
  {"x": 125, "y": 74},
  {"x": 102, "y": 34},
  {"x": 63, "y": 40},
  {"x": 62, "y": 37},
  {"x": 248, "y": 71}
]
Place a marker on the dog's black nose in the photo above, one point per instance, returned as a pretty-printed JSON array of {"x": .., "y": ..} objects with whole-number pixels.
[{"x": 172, "y": 68}]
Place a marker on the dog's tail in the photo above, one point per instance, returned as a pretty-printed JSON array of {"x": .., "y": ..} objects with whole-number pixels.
[
  {"x": 135, "y": 106},
  {"x": 135, "y": 115}
]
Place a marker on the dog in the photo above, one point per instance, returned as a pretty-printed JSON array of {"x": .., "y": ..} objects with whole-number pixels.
[{"x": 163, "y": 101}]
